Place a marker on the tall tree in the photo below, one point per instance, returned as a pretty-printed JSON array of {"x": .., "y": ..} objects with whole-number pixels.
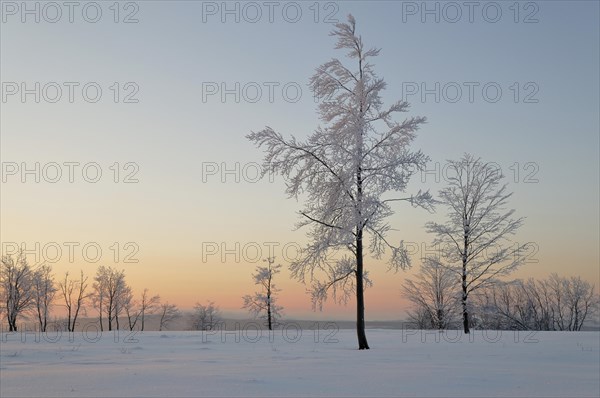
[
  {"x": 148, "y": 305},
  {"x": 344, "y": 169},
  {"x": 74, "y": 293},
  {"x": 474, "y": 241},
  {"x": 131, "y": 311},
  {"x": 98, "y": 296},
  {"x": 110, "y": 294},
  {"x": 16, "y": 282},
  {"x": 44, "y": 291},
  {"x": 263, "y": 302}
]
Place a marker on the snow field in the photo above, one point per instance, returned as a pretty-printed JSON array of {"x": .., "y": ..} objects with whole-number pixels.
[{"x": 323, "y": 363}]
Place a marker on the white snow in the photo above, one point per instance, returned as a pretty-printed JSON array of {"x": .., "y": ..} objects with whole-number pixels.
[{"x": 161, "y": 364}]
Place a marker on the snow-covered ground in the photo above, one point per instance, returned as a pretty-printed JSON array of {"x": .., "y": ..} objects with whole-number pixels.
[{"x": 400, "y": 363}]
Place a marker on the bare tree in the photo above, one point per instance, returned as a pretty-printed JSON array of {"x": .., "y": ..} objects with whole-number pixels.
[
  {"x": 137, "y": 311},
  {"x": 148, "y": 305},
  {"x": 419, "y": 318},
  {"x": 538, "y": 294},
  {"x": 16, "y": 280},
  {"x": 168, "y": 313},
  {"x": 98, "y": 297},
  {"x": 555, "y": 303},
  {"x": 122, "y": 293},
  {"x": 74, "y": 293},
  {"x": 206, "y": 317},
  {"x": 130, "y": 307},
  {"x": 110, "y": 294},
  {"x": 502, "y": 306},
  {"x": 574, "y": 301},
  {"x": 474, "y": 239},
  {"x": 44, "y": 291},
  {"x": 263, "y": 303},
  {"x": 523, "y": 305},
  {"x": 344, "y": 169},
  {"x": 434, "y": 295}
]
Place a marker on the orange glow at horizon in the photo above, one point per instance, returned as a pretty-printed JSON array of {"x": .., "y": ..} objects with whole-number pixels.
[{"x": 185, "y": 282}]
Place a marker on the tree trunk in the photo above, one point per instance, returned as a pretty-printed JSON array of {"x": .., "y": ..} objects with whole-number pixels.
[
  {"x": 100, "y": 313},
  {"x": 360, "y": 290},
  {"x": 40, "y": 320},
  {"x": 160, "y": 324},
  {"x": 44, "y": 324},
  {"x": 73, "y": 323},
  {"x": 269, "y": 311},
  {"x": 465, "y": 254},
  {"x": 465, "y": 315},
  {"x": 69, "y": 319},
  {"x": 360, "y": 297},
  {"x": 109, "y": 314},
  {"x": 12, "y": 323},
  {"x": 464, "y": 301}
]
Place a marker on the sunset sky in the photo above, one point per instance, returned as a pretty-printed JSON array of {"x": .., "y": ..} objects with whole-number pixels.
[{"x": 178, "y": 175}]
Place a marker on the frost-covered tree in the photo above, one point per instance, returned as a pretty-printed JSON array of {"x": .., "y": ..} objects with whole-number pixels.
[
  {"x": 44, "y": 291},
  {"x": 74, "y": 293},
  {"x": 206, "y": 317},
  {"x": 110, "y": 294},
  {"x": 555, "y": 303},
  {"x": 503, "y": 306},
  {"x": 573, "y": 301},
  {"x": 474, "y": 241},
  {"x": 433, "y": 294},
  {"x": 168, "y": 313},
  {"x": 16, "y": 282},
  {"x": 263, "y": 303},
  {"x": 343, "y": 171}
]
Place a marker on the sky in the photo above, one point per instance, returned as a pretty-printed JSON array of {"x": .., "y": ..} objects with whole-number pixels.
[{"x": 123, "y": 132}]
